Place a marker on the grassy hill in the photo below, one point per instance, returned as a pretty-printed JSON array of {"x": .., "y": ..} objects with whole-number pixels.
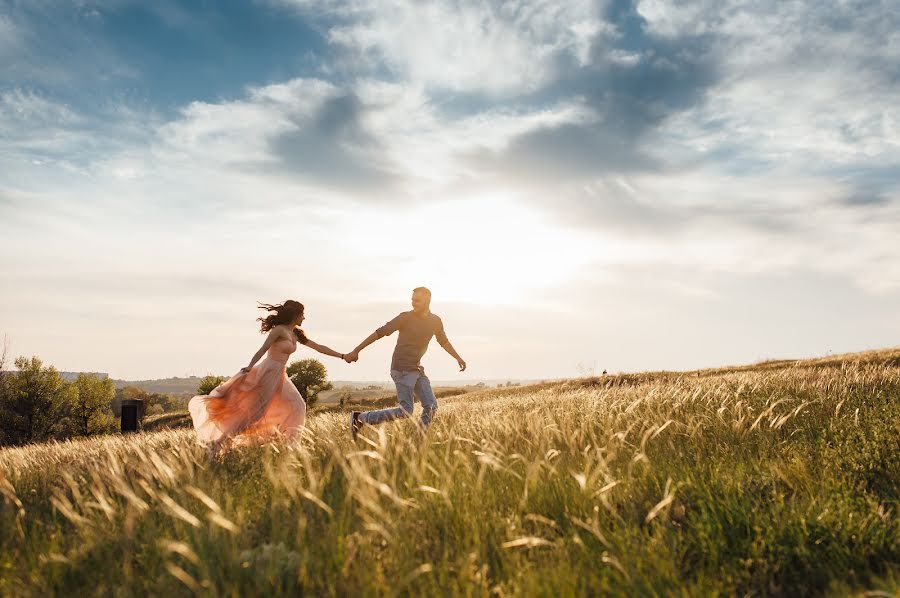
[
  {"x": 780, "y": 478},
  {"x": 187, "y": 387},
  {"x": 176, "y": 386}
]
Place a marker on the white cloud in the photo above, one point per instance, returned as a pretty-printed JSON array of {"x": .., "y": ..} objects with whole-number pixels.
[
  {"x": 497, "y": 48},
  {"x": 238, "y": 131},
  {"x": 418, "y": 142},
  {"x": 430, "y": 144},
  {"x": 33, "y": 110},
  {"x": 802, "y": 84},
  {"x": 673, "y": 19}
]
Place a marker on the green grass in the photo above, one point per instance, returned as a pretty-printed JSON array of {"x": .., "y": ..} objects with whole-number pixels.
[{"x": 766, "y": 480}]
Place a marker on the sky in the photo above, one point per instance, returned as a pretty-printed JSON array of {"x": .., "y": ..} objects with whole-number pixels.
[{"x": 619, "y": 184}]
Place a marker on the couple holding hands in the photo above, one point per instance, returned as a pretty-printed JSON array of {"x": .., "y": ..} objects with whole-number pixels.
[{"x": 260, "y": 400}]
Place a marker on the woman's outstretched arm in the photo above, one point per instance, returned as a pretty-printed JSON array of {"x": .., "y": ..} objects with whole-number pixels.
[
  {"x": 273, "y": 336},
  {"x": 323, "y": 349}
]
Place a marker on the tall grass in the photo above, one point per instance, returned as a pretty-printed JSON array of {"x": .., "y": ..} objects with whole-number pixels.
[{"x": 776, "y": 481}]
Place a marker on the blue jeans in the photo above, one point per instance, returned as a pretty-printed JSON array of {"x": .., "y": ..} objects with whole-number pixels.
[{"x": 408, "y": 384}]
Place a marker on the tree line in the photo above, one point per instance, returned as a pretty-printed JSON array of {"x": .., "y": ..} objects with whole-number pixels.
[{"x": 37, "y": 404}]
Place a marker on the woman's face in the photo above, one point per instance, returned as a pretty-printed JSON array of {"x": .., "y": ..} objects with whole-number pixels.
[{"x": 299, "y": 319}]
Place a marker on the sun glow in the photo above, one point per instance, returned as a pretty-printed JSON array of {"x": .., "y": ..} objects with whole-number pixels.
[{"x": 485, "y": 250}]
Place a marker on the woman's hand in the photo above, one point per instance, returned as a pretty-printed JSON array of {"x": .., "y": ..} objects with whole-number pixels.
[{"x": 246, "y": 370}]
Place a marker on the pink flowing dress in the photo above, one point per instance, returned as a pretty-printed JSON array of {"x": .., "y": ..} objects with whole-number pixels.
[{"x": 252, "y": 406}]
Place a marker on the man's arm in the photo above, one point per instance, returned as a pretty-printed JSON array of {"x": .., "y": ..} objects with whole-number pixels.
[
  {"x": 386, "y": 330},
  {"x": 354, "y": 354},
  {"x": 444, "y": 342},
  {"x": 449, "y": 349}
]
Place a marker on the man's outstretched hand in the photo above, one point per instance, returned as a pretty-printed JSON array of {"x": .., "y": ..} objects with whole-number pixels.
[{"x": 462, "y": 365}]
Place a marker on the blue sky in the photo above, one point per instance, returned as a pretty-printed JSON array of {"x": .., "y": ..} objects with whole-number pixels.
[
  {"x": 627, "y": 184},
  {"x": 161, "y": 54}
]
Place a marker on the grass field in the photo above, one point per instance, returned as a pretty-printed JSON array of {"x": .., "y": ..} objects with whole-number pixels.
[{"x": 776, "y": 479}]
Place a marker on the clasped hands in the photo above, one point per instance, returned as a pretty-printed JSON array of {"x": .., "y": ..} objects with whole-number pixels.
[{"x": 354, "y": 356}]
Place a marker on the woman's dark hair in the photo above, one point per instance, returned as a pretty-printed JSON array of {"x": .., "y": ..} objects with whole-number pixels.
[{"x": 285, "y": 313}]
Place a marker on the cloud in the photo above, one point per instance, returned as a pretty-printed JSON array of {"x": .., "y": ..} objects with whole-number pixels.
[
  {"x": 497, "y": 48},
  {"x": 368, "y": 140},
  {"x": 629, "y": 82},
  {"x": 333, "y": 147},
  {"x": 807, "y": 86},
  {"x": 29, "y": 121}
]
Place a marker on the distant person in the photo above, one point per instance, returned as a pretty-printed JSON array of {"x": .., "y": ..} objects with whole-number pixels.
[
  {"x": 416, "y": 329},
  {"x": 260, "y": 400}
]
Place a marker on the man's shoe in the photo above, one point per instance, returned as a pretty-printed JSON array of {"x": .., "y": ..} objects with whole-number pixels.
[{"x": 355, "y": 424}]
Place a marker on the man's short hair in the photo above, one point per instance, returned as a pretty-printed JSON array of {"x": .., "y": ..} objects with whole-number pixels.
[{"x": 423, "y": 290}]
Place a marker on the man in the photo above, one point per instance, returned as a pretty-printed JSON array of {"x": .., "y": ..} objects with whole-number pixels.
[{"x": 416, "y": 328}]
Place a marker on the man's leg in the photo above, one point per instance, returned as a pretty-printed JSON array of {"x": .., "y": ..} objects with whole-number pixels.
[
  {"x": 426, "y": 396},
  {"x": 404, "y": 381}
]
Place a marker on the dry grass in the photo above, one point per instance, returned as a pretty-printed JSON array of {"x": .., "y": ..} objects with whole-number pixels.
[{"x": 771, "y": 479}]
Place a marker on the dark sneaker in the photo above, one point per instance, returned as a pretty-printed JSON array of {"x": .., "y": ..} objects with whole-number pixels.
[{"x": 355, "y": 424}]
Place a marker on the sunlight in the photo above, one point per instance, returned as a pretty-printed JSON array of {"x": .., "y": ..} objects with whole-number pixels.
[{"x": 483, "y": 250}]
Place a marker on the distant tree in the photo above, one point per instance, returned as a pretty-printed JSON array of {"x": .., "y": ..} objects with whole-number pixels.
[
  {"x": 35, "y": 403},
  {"x": 115, "y": 406},
  {"x": 135, "y": 393},
  {"x": 5, "y": 388},
  {"x": 167, "y": 402},
  {"x": 310, "y": 377},
  {"x": 208, "y": 383},
  {"x": 90, "y": 405},
  {"x": 155, "y": 409}
]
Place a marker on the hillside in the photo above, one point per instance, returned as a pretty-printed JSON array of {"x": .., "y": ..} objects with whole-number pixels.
[
  {"x": 779, "y": 478},
  {"x": 188, "y": 386}
]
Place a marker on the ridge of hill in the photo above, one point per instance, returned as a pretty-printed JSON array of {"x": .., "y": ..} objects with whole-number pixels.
[{"x": 888, "y": 356}]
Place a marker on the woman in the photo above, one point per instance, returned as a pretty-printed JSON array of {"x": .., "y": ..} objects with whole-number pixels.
[{"x": 260, "y": 400}]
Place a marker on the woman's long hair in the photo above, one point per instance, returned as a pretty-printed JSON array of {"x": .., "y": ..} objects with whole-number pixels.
[{"x": 285, "y": 313}]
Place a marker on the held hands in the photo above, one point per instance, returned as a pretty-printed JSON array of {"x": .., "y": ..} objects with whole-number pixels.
[
  {"x": 246, "y": 370},
  {"x": 351, "y": 357}
]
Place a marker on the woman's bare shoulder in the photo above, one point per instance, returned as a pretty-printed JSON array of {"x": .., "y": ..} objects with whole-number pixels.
[{"x": 285, "y": 330}]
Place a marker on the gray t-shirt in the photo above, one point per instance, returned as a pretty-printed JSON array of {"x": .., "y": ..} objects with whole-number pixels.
[{"x": 415, "y": 334}]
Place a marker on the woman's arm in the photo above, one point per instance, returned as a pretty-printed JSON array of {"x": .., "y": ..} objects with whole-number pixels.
[
  {"x": 273, "y": 336},
  {"x": 323, "y": 349}
]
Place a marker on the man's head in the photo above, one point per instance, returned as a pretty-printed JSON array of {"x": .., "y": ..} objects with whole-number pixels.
[{"x": 421, "y": 300}]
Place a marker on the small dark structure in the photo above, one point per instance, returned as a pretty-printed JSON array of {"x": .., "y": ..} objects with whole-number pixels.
[{"x": 132, "y": 414}]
